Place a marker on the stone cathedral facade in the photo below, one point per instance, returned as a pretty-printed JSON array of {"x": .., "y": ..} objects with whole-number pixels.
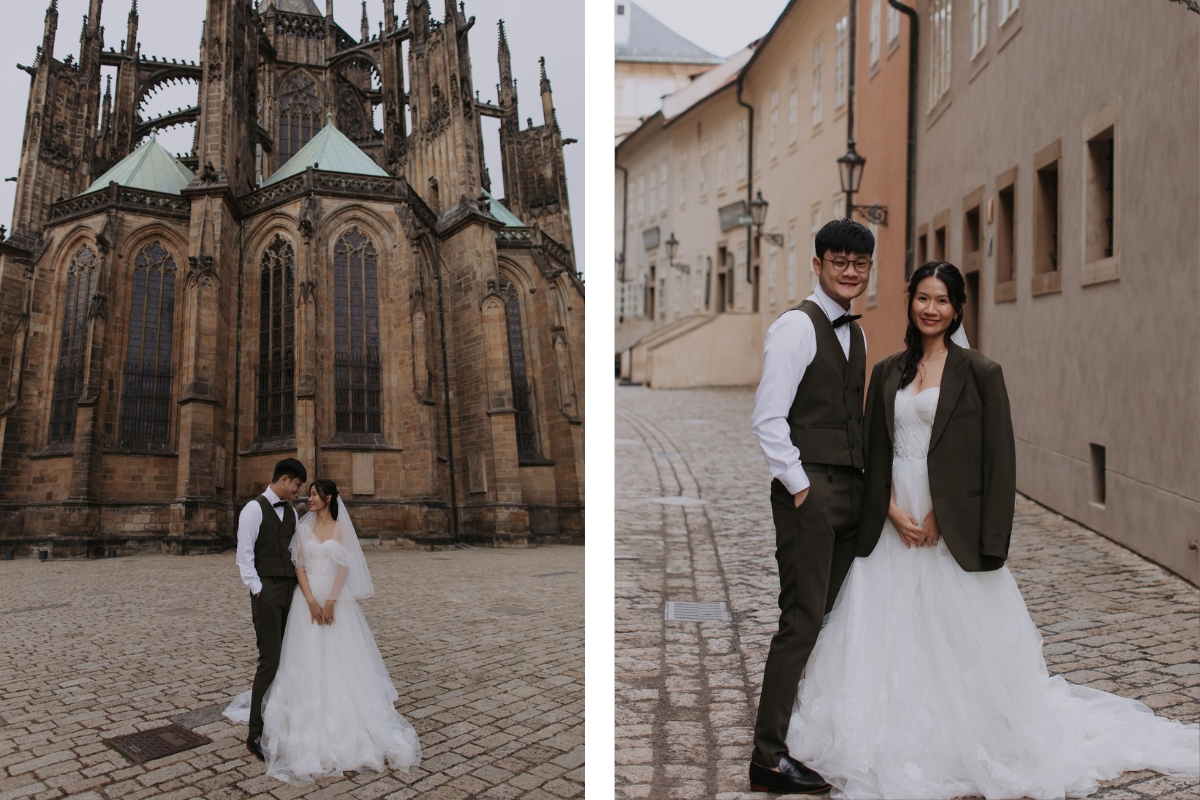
[{"x": 302, "y": 284}]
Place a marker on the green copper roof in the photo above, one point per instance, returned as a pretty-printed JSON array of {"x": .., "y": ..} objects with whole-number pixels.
[
  {"x": 294, "y": 6},
  {"x": 148, "y": 167},
  {"x": 497, "y": 210},
  {"x": 329, "y": 151}
]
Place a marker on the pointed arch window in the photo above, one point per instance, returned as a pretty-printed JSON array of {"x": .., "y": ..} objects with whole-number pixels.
[
  {"x": 521, "y": 390},
  {"x": 356, "y": 373},
  {"x": 299, "y": 115},
  {"x": 146, "y": 395},
  {"x": 68, "y": 377},
  {"x": 275, "y": 404}
]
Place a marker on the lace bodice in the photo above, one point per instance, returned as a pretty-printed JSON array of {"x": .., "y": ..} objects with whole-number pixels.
[
  {"x": 914, "y": 422},
  {"x": 321, "y": 559}
]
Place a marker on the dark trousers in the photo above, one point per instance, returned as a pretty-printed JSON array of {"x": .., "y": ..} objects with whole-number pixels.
[
  {"x": 269, "y": 611},
  {"x": 814, "y": 548}
]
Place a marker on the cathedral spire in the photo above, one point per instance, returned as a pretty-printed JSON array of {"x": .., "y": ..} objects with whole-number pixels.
[
  {"x": 389, "y": 15},
  {"x": 547, "y": 96},
  {"x": 366, "y": 24},
  {"x": 51, "y": 30},
  {"x": 131, "y": 38},
  {"x": 505, "y": 59}
]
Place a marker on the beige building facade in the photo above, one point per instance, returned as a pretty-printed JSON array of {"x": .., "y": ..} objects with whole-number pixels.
[{"x": 1067, "y": 189}]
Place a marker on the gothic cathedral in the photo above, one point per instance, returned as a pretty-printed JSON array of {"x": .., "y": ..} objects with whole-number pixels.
[{"x": 302, "y": 284}]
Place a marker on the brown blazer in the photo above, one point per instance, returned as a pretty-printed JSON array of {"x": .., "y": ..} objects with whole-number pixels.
[{"x": 972, "y": 458}]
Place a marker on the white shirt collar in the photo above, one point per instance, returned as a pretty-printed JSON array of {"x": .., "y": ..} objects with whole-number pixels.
[
  {"x": 831, "y": 307},
  {"x": 271, "y": 496}
]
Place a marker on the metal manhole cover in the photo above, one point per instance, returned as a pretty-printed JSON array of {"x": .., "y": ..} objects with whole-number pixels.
[
  {"x": 514, "y": 610},
  {"x": 148, "y": 745},
  {"x": 678, "y": 501},
  {"x": 680, "y": 611}
]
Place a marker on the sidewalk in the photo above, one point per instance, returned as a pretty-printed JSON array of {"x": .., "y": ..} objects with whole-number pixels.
[
  {"x": 484, "y": 646},
  {"x": 687, "y": 692}
]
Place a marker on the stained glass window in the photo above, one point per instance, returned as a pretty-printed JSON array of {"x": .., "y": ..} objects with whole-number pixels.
[
  {"x": 146, "y": 396},
  {"x": 68, "y": 377},
  {"x": 275, "y": 409},
  {"x": 356, "y": 379}
]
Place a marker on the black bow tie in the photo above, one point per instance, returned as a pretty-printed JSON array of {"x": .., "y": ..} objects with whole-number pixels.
[
  {"x": 279, "y": 503},
  {"x": 843, "y": 319}
]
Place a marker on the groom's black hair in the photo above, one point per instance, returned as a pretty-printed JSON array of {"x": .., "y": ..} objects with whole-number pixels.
[
  {"x": 845, "y": 236},
  {"x": 291, "y": 468}
]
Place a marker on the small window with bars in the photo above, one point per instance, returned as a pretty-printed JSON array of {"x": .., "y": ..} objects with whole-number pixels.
[
  {"x": 68, "y": 376},
  {"x": 275, "y": 404},
  {"x": 146, "y": 382}
]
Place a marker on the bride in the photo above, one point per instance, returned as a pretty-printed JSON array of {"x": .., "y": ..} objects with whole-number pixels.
[
  {"x": 330, "y": 707},
  {"x": 927, "y": 679}
]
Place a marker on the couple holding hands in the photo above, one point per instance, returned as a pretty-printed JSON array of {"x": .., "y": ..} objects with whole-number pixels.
[{"x": 906, "y": 663}]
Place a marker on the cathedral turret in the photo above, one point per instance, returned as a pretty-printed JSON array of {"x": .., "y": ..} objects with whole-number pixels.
[
  {"x": 547, "y": 97},
  {"x": 106, "y": 114},
  {"x": 51, "y": 31},
  {"x": 366, "y": 25},
  {"x": 418, "y": 21},
  {"x": 131, "y": 40},
  {"x": 508, "y": 88},
  {"x": 389, "y": 15}
]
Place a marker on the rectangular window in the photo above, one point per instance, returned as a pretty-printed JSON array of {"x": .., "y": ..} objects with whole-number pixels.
[
  {"x": 1100, "y": 191},
  {"x": 922, "y": 249},
  {"x": 893, "y": 25},
  {"x": 939, "y": 50},
  {"x": 839, "y": 207},
  {"x": 771, "y": 265},
  {"x": 652, "y": 193},
  {"x": 939, "y": 244},
  {"x": 698, "y": 283},
  {"x": 873, "y": 275},
  {"x": 1099, "y": 475},
  {"x": 721, "y": 166},
  {"x": 791, "y": 263},
  {"x": 703, "y": 177},
  {"x": 740, "y": 156},
  {"x": 662, "y": 298},
  {"x": 1045, "y": 220},
  {"x": 664, "y": 186},
  {"x": 758, "y": 137},
  {"x": 978, "y": 26},
  {"x": 875, "y": 34},
  {"x": 971, "y": 231},
  {"x": 793, "y": 105},
  {"x": 678, "y": 293},
  {"x": 839, "y": 63},
  {"x": 1006, "y": 216},
  {"x": 1007, "y": 7},
  {"x": 772, "y": 131},
  {"x": 818, "y": 54},
  {"x": 641, "y": 197},
  {"x": 816, "y": 227},
  {"x": 683, "y": 180}
]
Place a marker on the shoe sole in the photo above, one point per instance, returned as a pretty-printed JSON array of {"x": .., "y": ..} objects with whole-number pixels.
[{"x": 754, "y": 787}]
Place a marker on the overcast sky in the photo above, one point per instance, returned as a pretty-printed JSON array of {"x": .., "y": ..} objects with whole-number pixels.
[
  {"x": 171, "y": 29},
  {"x": 718, "y": 26}
]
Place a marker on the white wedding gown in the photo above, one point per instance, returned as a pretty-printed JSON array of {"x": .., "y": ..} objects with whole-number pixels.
[
  {"x": 928, "y": 681},
  {"x": 329, "y": 708}
]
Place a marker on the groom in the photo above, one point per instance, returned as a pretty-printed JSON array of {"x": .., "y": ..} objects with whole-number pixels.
[
  {"x": 265, "y": 530},
  {"x": 809, "y": 405}
]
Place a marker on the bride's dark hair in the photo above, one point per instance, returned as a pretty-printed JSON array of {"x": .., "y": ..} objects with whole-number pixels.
[
  {"x": 327, "y": 491},
  {"x": 956, "y": 288}
]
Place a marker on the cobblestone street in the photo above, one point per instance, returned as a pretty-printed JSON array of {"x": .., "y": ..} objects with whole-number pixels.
[
  {"x": 687, "y": 691},
  {"x": 484, "y": 646}
]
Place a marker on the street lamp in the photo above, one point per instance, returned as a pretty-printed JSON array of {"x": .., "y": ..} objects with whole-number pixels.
[
  {"x": 850, "y": 169},
  {"x": 758, "y": 214},
  {"x": 672, "y": 248}
]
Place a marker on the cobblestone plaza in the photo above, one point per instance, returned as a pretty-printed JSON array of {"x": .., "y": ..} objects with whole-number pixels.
[
  {"x": 687, "y": 691},
  {"x": 484, "y": 646}
]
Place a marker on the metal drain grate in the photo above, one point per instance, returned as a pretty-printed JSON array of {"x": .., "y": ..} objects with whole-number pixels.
[
  {"x": 146, "y": 746},
  {"x": 679, "y": 611}
]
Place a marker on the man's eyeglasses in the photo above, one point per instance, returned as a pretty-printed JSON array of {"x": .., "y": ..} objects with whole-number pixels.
[{"x": 861, "y": 265}]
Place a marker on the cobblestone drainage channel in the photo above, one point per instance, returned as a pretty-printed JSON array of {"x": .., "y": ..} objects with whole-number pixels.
[
  {"x": 148, "y": 745},
  {"x": 680, "y": 611}
]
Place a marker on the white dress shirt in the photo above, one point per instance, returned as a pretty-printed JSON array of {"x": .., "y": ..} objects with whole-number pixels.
[
  {"x": 790, "y": 347},
  {"x": 249, "y": 522}
]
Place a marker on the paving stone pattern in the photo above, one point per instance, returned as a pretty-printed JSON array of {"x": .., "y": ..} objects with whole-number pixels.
[
  {"x": 687, "y": 692},
  {"x": 95, "y": 649}
]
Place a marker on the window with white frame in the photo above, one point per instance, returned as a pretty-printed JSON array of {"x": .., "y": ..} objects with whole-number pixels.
[
  {"x": 664, "y": 186},
  {"x": 939, "y": 49},
  {"x": 818, "y": 54},
  {"x": 893, "y": 25},
  {"x": 758, "y": 129},
  {"x": 873, "y": 276},
  {"x": 698, "y": 283},
  {"x": 652, "y": 193},
  {"x": 875, "y": 33},
  {"x": 839, "y": 63},
  {"x": 740, "y": 156},
  {"x": 772, "y": 130},
  {"x": 771, "y": 279},
  {"x": 702, "y": 179},
  {"x": 816, "y": 227},
  {"x": 678, "y": 293},
  {"x": 641, "y": 197},
  {"x": 791, "y": 263},
  {"x": 793, "y": 105},
  {"x": 978, "y": 26},
  {"x": 683, "y": 179},
  {"x": 839, "y": 208},
  {"x": 1007, "y": 7},
  {"x": 721, "y": 166}
]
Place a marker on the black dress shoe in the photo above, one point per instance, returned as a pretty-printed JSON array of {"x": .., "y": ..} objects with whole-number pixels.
[
  {"x": 792, "y": 778},
  {"x": 254, "y": 747}
]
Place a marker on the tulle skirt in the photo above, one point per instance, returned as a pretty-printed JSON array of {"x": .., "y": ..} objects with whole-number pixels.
[
  {"x": 928, "y": 681},
  {"x": 330, "y": 707}
]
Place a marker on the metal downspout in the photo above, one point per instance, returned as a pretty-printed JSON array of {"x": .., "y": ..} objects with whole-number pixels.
[
  {"x": 910, "y": 198},
  {"x": 749, "y": 179}
]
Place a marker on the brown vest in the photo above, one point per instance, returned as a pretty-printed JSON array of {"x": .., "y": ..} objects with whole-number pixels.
[
  {"x": 271, "y": 556},
  {"x": 827, "y": 415}
]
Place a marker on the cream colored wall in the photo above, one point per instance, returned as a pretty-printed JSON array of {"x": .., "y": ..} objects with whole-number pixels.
[{"x": 1111, "y": 363}]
